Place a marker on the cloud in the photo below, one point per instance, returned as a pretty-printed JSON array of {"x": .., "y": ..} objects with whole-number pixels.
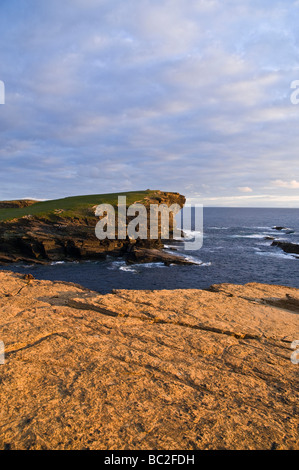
[
  {"x": 190, "y": 96},
  {"x": 245, "y": 189},
  {"x": 286, "y": 184}
]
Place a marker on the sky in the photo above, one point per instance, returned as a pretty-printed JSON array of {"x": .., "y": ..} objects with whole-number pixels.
[{"x": 121, "y": 95}]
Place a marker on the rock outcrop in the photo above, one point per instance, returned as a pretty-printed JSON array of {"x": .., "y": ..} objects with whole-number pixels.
[
  {"x": 19, "y": 203},
  {"x": 287, "y": 247},
  {"x": 279, "y": 227},
  {"x": 44, "y": 239},
  {"x": 182, "y": 369},
  {"x": 151, "y": 255},
  {"x": 283, "y": 229}
]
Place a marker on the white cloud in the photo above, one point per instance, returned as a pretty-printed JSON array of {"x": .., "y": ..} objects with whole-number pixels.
[
  {"x": 245, "y": 189},
  {"x": 286, "y": 184},
  {"x": 188, "y": 96}
]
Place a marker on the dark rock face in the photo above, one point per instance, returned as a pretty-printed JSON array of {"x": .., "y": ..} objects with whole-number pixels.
[
  {"x": 277, "y": 227},
  {"x": 41, "y": 240},
  {"x": 152, "y": 255},
  {"x": 283, "y": 229},
  {"x": 16, "y": 204},
  {"x": 286, "y": 246}
]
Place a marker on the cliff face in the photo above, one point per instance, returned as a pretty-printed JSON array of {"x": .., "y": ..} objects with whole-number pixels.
[
  {"x": 16, "y": 204},
  {"x": 42, "y": 239},
  {"x": 183, "y": 369}
]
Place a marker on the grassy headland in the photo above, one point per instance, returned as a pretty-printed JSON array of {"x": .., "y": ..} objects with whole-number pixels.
[{"x": 71, "y": 207}]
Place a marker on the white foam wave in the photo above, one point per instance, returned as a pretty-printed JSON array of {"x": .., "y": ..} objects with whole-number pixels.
[
  {"x": 123, "y": 266},
  {"x": 128, "y": 269},
  {"x": 172, "y": 247},
  {"x": 265, "y": 243},
  {"x": 196, "y": 261},
  {"x": 254, "y": 235},
  {"x": 282, "y": 255},
  {"x": 153, "y": 265},
  {"x": 190, "y": 234}
]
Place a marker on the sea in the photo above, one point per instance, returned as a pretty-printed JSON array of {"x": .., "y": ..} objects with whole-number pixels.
[{"x": 235, "y": 250}]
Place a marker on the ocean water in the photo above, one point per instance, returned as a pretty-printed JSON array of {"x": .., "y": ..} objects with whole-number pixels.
[{"x": 234, "y": 250}]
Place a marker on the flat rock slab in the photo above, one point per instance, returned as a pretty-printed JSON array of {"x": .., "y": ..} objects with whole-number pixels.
[{"x": 182, "y": 369}]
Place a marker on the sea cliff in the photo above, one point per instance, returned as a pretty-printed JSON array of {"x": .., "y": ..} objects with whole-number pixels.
[{"x": 64, "y": 230}]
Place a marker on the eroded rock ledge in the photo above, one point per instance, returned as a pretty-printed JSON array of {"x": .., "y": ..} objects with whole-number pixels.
[{"x": 182, "y": 369}]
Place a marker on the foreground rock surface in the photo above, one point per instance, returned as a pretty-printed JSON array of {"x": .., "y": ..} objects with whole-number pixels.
[{"x": 183, "y": 369}]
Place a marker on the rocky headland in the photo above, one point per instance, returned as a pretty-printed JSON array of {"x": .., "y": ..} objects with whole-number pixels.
[
  {"x": 64, "y": 230},
  {"x": 182, "y": 369}
]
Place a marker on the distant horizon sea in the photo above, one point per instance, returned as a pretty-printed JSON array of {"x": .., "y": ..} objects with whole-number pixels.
[{"x": 235, "y": 250}]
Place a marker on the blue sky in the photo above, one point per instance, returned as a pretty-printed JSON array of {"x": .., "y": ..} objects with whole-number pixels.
[{"x": 114, "y": 95}]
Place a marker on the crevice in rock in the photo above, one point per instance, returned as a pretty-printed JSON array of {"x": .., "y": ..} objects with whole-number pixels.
[
  {"x": 31, "y": 345},
  {"x": 289, "y": 303},
  {"x": 28, "y": 278},
  {"x": 81, "y": 306}
]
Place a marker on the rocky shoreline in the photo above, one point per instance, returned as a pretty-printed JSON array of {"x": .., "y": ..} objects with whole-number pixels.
[
  {"x": 183, "y": 369},
  {"x": 287, "y": 247},
  {"x": 44, "y": 239}
]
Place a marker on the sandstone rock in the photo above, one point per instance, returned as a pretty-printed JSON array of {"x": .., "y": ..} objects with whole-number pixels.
[
  {"x": 15, "y": 204},
  {"x": 38, "y": 239},
  {"x": 146, "y": 255},
  {"x": 183, "y": 369}
]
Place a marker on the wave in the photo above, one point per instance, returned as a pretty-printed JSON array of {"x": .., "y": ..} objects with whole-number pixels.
[
  {"x": 265, "y": 243},
  {"x": 128, "y": 269},
  {"x": 152, "y": 265},
  {"x": 196, "y": 261},
  {"x": 116, "y": 265},
  {"x": 172, "y": 247},
  {"x": 286, "y": 256},
  {"x": 254, "y": 235},
  {"x": 190, "y": 235},
  {"x": 25, "y": 266},
  {"x": 123, "y": 266}
]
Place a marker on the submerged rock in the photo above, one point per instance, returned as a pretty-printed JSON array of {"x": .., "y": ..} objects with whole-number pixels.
[{"x": 284, "y": 229}]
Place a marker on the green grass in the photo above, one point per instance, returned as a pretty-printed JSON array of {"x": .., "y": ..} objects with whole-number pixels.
[{"x": 76, "y": 206}]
